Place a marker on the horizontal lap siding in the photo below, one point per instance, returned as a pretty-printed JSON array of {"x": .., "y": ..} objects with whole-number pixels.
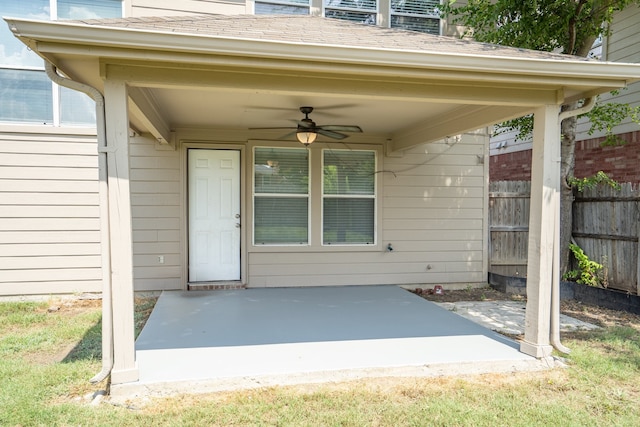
[
  {"x": 433, "y": 201},
  {"x": 49, "y": 214},
  {"x": 157, "y": 215},
  {"x": 434, "y": 211},
  {"x": 622, "y": 46},
  {"x": 185, "y": 7}
]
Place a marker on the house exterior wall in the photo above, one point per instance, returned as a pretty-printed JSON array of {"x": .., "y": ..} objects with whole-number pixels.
[
  {"x": 513, "y": 166},
  {"x": 432, "y": 207},
  {"x": 623, "y": 45},
  {"x": 510, "y": 158},
  {"x": 49, "y": 214},
  {"x": 157, "y": 209},
  {"x": 620, "y": 162},
  {"x": 432, "y": 201},
  {"x": 49, "y": 218},
  {"x": 183, "y": 7}
]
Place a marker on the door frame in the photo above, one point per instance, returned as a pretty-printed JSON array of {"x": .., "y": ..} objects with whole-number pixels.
[{"x": 185, "y": 146}]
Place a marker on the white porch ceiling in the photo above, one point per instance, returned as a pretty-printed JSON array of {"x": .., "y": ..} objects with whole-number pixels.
[{"x": 241, "y": 110}]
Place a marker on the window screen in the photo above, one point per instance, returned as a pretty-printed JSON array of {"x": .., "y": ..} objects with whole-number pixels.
[
  {"x": 284, "y": 7},
  {"x": 27, "y": 93},
  {"x": 76, "y": 108},
  {"x": 281, "y": 196},
  {"x": 24, "y": 95},
  {"x": 416, "y": 15},
  {"x": 349, "y": 197},
  {"x": 363, "y": 11}
]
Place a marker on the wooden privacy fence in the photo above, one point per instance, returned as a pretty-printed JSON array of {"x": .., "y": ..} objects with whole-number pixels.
[
  {"x": 509, "y": 227},
  {"x": 605, "y": 226}
]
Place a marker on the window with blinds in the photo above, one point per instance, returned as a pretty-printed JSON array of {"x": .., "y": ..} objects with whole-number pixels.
[
  {"x": 281, "y": 196},
  {"x": 283, "y": 7},
  {"x": 416, "y": 15},
  {"x": 349, "y": 197},
  {"x": 27, "y": 94},
  {"x": 363, "y": 11}
]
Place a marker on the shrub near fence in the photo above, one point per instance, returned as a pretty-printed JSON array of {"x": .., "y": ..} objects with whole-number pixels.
[{"x": 605, "y": 225}]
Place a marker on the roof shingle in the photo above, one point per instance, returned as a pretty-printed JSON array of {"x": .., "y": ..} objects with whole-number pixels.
[{"x": 307, "y": 29}]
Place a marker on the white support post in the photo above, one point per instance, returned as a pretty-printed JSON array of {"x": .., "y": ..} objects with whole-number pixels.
[
  {"x": 117, "y": 123},
  {"x": 545, "y": 189}
]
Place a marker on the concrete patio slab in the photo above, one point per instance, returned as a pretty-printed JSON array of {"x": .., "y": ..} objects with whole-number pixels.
[{"x": 248, "y": 338}]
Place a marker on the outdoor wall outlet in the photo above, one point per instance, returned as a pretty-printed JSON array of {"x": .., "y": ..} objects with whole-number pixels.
[{"x": 160, "y": 259}]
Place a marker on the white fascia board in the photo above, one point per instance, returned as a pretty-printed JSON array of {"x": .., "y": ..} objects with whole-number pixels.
[{"x": 82, "y": 34}]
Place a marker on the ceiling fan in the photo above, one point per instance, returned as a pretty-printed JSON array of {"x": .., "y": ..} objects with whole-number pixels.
[{"x": 307, "y": 130}]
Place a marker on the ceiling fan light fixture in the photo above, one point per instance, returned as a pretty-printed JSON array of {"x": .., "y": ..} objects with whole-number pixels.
[
  {"x": 307, "y": 131},
  {"x": 306, "y": 136}
]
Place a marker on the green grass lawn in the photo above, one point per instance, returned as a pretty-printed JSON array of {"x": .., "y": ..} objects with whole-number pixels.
[{"x": 47, "y": 358}]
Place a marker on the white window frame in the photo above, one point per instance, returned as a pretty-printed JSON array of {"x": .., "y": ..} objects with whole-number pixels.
[
  {"x": 254, "y": 194},
  {"x": 315, "y": 227},
  {"x": 373, "y": 197}
]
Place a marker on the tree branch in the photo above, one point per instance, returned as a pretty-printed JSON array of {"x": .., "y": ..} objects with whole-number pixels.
[{"x": 573, "y": 22}]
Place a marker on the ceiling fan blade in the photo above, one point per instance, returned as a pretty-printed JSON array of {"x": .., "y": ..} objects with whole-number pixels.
[
  {"x": 275, "y": 128},
  {"x": 343, "y": 128},
  {"x": 331, "y": 134},
  {"x": 287, "y": 135}
]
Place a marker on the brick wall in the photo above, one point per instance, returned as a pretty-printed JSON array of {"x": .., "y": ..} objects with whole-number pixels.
[
  {"x": 621, "y": 162},
  {"x": 514, "y": 166}
]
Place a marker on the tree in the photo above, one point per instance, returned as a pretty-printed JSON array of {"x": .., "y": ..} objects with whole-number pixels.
[{"x": 566, "y": 26}]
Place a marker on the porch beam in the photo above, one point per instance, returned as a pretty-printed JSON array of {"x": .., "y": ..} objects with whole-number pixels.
[
  {"x": 117, "y": 120},
  {"x": 339, "y": 85},
  {"x": 543, "y": 240},
  {"x": 144, "y": 108},
  {"x": 449, "y": 124}
]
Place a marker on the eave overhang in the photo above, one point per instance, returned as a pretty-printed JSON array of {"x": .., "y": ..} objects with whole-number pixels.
[
  {"x": 68, "y": 37},
  {"x": 481, "y": 89}
]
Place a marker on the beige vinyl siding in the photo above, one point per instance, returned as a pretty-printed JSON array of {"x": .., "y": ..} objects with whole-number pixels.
[
  {"x": 623, "y": 45},
  {"x": 137, "y": 8},
  {"x": 507, "y": 142},
  {"x": 49, "y": 215},
  {"x": 157, "y": 215},
  {"x": 433, "y": 202}
]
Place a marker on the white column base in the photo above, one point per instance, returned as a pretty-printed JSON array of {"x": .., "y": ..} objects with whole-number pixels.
[
  {"x": 125, "y": 375},
  {"x": 536, "y": 350}
]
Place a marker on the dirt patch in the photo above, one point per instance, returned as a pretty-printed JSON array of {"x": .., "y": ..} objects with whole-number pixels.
[
  {"x": 470, "y": 294},
  {"x": 588, "y": 313},
  {"x": 72, "y": 307}
]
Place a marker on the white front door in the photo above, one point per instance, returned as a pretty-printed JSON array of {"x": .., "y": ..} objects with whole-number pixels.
[{"x": 214, "y": 215}]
